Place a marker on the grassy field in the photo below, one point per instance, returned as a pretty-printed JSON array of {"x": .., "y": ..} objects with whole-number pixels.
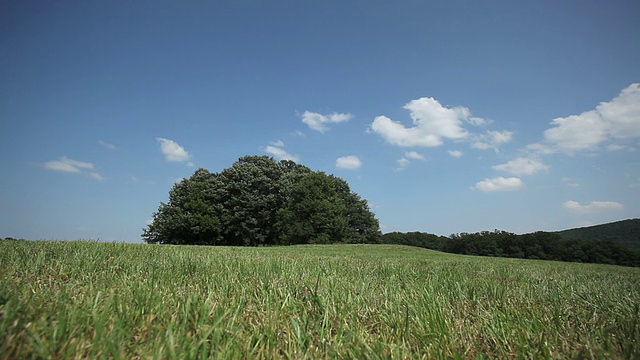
[{"x": 113, "y": 300}]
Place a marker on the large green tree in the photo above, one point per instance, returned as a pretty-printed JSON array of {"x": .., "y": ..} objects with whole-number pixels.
[
  {"x": 192, "y": 214},
  {"x": 315, "y": 213},
  {"x": 255, "y": 188},
  {"x": 259, "y": 201}
]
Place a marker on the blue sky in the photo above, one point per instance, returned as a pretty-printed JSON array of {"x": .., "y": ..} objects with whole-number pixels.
[{"x": 452, "y": 116}]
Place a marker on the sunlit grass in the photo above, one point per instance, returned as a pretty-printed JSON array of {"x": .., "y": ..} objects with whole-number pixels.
[{"x": 111, "y": 300}]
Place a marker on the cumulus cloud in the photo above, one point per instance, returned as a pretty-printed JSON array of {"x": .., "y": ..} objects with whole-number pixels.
[
  {"x": 349, "y": 162},
  {"x": 577, "y": 132},
  {"x": 592, "y": 207},
  {"x": 623, "y": 113},
  {"x": 615, "y": 120},
  {"x": 67, "y": 165},
  {"x": 522, "y": 166},
  {"x": 491, "y": 139},
  {"x": 500, "y": 184},
  {"x": 280, "y": 153},
  {"x": 397, "y": 134},
  {"x": 432, "y": 122},
  {"x": 173, "y": 151},
  {"x": 318, "y": 122}
]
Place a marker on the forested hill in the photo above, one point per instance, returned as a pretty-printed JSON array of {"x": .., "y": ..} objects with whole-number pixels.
[
  {"x": 615, "y": 243},
  {"x": 625, "y": 233}
]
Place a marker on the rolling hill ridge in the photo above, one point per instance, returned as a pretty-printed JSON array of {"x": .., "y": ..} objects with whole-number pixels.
[{"x": 624, "y": 232}]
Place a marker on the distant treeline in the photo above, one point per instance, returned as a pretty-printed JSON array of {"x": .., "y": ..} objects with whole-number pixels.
[{"x": 538, "y": 245}]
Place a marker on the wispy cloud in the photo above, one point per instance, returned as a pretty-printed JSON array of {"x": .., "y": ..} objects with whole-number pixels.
[
  {"x": 64, "y": 164},
  {"x": 491, "y": 139},
  {"x": 107, "y": 145},
  {"x": 402, "y": 164},
  {"x": 280, "y": 153},
  {"x": 67, "y": 165},
  {"x": 455, "y": 153},
  {"x": 592, "y": 207},
  {"x": 319, "y": 122},
  {"x": 96, "y": 176},
  {"x": 569, "y": 183},
  {"x": 406, "y": 160},
  {"x": 522, "y": 166},
  {"x": 500, "y": 184},
  {"x": 350, "y": 162},
  {"x": 172, "y": 151},
  {"x": 414, "y": 155}
]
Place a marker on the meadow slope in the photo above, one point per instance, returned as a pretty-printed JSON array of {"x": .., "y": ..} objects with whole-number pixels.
[{"x": 113, "y": 300}]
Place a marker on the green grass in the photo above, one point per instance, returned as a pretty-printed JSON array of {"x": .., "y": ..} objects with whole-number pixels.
[{"x": 113, "y": 300}]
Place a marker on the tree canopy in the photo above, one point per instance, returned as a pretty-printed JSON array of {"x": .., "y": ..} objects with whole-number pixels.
[{"x": 259, "y": 201}]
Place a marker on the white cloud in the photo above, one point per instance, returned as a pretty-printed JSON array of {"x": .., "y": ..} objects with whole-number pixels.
[
  {"x": 541, "y": 149},
  {"x": 173, "y": 151},
  {"x": 592, "y": 207},
  {"x": 350, "y": 162},
  {"x": 402, "y": 164},
  {"x": 569, "y": 183},
  {"x": 397, "y": 134},
  {"x": 414, "y": 155},
  {"x": 499, "y": 184},
  {"x": 96, "y": 176},
  {"x": 491, "y": 139},
  {"x": 107, "y": 145},
  {"x": 455, "y": 153},
  {"x": 478, "y": 121},
  {"x": 318, "y": 122},
  {"x": 522, "y": 166},
  {"x": 278, "y": 143},
  {"x": 432, "y": 122},
  {"x": 617, "y": 119},
  {"x": 281, "y": 154},
  {"x": 618, "y": 147},
  {"x": 577, "y": 132},
  {"x": 67, "y": 165},
  {"x": 623, "y": 113}
]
